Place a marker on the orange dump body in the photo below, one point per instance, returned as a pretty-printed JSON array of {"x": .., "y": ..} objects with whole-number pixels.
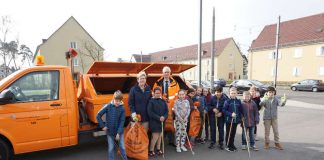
[{"x": 96, "y": 88}]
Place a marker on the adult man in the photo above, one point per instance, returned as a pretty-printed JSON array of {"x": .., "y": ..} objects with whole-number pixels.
[{"x": 170, "y": 88}]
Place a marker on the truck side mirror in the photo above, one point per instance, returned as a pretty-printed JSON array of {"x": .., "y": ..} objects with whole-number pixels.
[{"x": 6, "y": 96}]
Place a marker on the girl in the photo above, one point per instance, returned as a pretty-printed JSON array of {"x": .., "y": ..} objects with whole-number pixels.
[{"x": 182, "y": 111}]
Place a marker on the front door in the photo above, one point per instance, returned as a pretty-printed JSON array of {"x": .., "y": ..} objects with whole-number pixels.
[{"x": 34, "y": 118}]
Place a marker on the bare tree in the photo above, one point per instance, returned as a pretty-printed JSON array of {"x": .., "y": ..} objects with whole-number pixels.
[
  {"x": 88, "y": 49},
  {"x": 5, "y": 28}
]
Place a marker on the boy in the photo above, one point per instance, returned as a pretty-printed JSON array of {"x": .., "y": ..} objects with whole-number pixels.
[
  {"x": 215, "y": 108},
  {"x": 233, "y": 113},
  {"x": 270, "y": 115},
  {"x": 250, "y": 120},
  {"x": 115, "y": 118}
]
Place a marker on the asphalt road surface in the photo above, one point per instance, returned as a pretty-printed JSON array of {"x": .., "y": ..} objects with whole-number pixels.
[{"x": 301, "y": 133}]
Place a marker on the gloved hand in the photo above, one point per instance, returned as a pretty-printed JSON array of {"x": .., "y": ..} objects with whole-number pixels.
[
  {"x": 134, "y": 117},
  {"x": 233, "y": 115},
  {"x": 265, "y": 97},
  {"x": 284, "y": 98}
]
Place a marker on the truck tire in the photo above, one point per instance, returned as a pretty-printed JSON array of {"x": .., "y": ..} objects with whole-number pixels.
[{"x": 5, "y": 151}]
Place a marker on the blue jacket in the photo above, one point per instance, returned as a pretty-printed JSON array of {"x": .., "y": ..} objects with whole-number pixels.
[
  {"x": 230, "y": 106},
  {"x": 202, "y": 101},
  {"x": 115, "y": 119},
  {"x": 138, "y": 101},
  {"x": 217, "y": 103}
]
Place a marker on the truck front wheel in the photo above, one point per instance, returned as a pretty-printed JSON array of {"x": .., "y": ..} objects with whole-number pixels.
[{"x": 5, "y": 151}]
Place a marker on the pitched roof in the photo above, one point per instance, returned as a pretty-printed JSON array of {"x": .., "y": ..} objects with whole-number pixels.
[
  {"x": 145, "y": 58},
  {"x": 189, "y": 52},
  {"x": 306, "y": 30},
  {"x": 71, "y": 18}
]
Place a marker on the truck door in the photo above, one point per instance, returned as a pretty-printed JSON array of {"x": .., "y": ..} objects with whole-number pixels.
[{"x": 34, "y": 118}]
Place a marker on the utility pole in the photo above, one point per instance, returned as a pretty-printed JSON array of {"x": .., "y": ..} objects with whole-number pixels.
[
  {"x": 212, "y": 54},
  {"x": 277, "y": 51},
  {"x": 199, "y": 44},
  {"x": 141, "y": 57}
]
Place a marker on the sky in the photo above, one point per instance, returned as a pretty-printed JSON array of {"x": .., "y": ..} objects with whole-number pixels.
[{"x": 126, "y": 27}]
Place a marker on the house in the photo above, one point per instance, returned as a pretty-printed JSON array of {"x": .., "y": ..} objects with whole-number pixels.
[
  {"x": 301, "y": 51},
  {"x": 71, "y": 35},
  {"x": 228, "y": 60}
]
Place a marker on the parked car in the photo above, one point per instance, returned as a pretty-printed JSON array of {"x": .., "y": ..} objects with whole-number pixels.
[
  {"x": 244, "y": 85},
  {"x": 204, "y": 84},
  {"x": 308, "y": 85},
  {"x": 219, "y": 82}
]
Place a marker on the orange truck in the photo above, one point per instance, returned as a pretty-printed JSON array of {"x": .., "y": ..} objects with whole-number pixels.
[{"x": 41, "y": 107}]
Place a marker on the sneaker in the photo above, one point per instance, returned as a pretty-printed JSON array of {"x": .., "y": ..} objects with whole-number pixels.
[
  {"x": 183, "y": 148},
  {"x": 255, "y": 148},
  {"x": 178, "y": 149},
  {"x": 235, "y": 149},
  {"x": 243, "y": 147},
  {"x": 230, "y": 149},
  {"x": 202, "y": 141},
  {"x": 211, "y": 146},
  {"x": 221, "y": 147}
]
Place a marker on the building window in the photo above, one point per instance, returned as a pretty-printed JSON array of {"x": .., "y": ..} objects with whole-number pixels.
[
  {"x": 320, "y": 51},
  {"x": 204, "y": 52},
  {"x": 73, "y": 45},
  {"x": 298, "y": 53},
  {"x": 230, "y": 66},
  {"x": 296, "y": 71},
  {"x": 75, "y": 62},
  {"x": 207, "y": 62},
  {"x": 164, "y": 58},
  {"x": 272, "y": 55},
  {"x": 321, "y": 71}
]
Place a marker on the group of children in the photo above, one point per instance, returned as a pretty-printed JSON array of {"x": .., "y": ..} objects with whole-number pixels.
[{"x": 217, "y": 110}]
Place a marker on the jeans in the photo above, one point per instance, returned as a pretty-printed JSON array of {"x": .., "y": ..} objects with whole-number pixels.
[
  {"x": 250, "y": 134},
  {"x": 112, "y": 145}
]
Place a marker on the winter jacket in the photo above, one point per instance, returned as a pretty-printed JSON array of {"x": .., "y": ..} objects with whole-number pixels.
[
  {"x": 173, "y": 87},
  {"x": 157, "y": 107},
  {"x": 257, "y": 101},
  {"x": 182, "y": 109},
  {"x": 217, "y": 103},
  {"x": 115, "y": 119},
  {"x": 230, "y": 106},
  {"x": 250, "y": 113},
  {"x": 270, "y": 107},
  {"x": 138, "y": 101}
]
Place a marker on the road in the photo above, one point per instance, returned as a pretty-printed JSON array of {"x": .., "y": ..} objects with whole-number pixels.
[{"x": 300, "y": 127}]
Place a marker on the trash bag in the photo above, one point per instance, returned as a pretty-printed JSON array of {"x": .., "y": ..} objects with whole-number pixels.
[
  {"x": 136, "y": 142},
  {"x": 195, "y": 123}
]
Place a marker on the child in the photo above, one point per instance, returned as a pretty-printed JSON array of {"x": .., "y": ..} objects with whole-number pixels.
[
  {"x": 255, "y": 96},
  {"x": 216, "y": 108},
  {"x": 158, "y": 112},
  {"x": 200, "y": 98},
  {"x": 233, "y": 113},
  {"x": 250, "y": 120},
  {"x": 190, "y": 95},
  {"x": 270, "y": 115},
  {"x": 182, "y": 111},
  {"x": 115, "y": 118},
  {"x": 207, "y": 95}
]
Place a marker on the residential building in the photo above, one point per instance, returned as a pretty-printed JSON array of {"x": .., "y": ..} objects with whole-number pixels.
[
  {"x": 70, "y": 35},
  {"x": 301, "y": 51}
]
